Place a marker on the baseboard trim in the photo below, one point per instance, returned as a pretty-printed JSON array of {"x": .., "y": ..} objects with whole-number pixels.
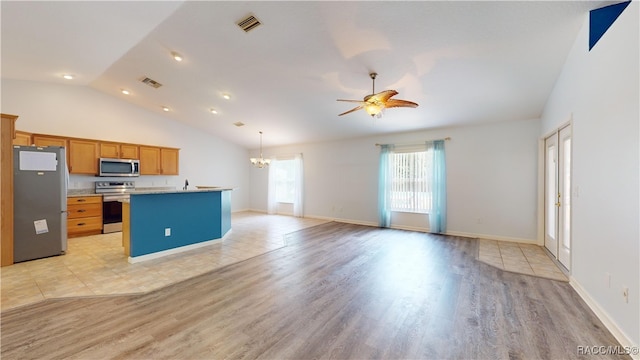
[
  {"x": 417, "y": 228},
  {"x": 356, "y": 222},
  {"x": 611, "y": 325},
  {"x": 493, "y": 237},
  {"x": 159, "y": 254},
  {"x": 410, "y": 228},
  {"x": 241, "y": 210}
]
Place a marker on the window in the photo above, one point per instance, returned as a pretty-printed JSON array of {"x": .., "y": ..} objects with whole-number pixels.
[
  {"x": 286, "y": 184},
  {"x": 284, "y": 180},
  {"x": 410, "y": 188}
]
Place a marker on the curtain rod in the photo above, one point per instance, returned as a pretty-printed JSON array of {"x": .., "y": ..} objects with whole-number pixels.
[{"x": 446, "y": 139}]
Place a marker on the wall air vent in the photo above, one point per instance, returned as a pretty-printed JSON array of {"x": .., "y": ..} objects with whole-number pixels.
[
  {"x": 249, "y": 23},
  {"x": 238, "y": 124},
  {"x": 154, "y": 84}
]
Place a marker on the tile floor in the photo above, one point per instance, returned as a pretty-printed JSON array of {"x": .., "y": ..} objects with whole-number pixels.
[
  {"x": 520, "y": 258},
  {"x": 96, "y": 265}
]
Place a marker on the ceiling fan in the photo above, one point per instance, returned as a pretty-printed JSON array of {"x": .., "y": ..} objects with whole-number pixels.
[{"x": 374, "y": 104}]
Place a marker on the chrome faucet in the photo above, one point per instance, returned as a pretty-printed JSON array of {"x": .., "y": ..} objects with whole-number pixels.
[{"x": 186, "y": 184}]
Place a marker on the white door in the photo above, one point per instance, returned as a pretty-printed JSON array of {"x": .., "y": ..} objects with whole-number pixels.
[
  {"x": 551, "y": 194},
  {"x": 557, "y": 194},
  {"x": 564, "y": 201}
]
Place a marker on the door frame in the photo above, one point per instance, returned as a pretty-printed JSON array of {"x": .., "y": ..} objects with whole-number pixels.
[
  {"x": 551, "y": 241},
  {"x": 541, "y": 175}
]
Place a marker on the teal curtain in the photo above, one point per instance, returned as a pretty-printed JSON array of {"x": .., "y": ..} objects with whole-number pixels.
[
  {"x": 384, "y": 179},
  {"x": 438, "y": 213}
]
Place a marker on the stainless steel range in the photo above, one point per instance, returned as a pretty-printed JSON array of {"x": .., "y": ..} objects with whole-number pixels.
[{"x": 113, "y": 192}]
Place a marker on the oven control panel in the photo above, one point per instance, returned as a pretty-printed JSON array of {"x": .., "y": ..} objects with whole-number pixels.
[{"x": 114, "y": 187}]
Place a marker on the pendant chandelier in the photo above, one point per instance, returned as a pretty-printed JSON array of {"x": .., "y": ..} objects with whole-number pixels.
[{"x": 260, "y": 162}]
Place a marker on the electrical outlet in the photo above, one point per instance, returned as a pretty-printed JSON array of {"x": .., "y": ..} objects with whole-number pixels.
[
  {"x": 479, "y": 220},
  {"x": 625, "y": 294},
  {"x": 607, "y": 278},
  {"x": 167, "y": 232}
]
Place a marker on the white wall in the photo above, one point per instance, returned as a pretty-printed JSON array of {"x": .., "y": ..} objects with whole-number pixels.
[
  {"x": 601, "y": 89},
  {"x": 79, "y": 111},
  {"x": 491, "y": 172}
]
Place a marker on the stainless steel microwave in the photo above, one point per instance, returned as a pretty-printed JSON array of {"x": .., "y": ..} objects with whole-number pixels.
[{"x": 119, "y": 167}]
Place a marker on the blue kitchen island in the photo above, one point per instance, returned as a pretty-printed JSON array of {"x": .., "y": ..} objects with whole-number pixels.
[{"x": 160, "y": 223}]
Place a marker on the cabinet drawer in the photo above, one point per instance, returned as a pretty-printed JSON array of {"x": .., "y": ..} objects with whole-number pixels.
[
  {"x": 84, "y": 200},
  {"x": 84, "y": 224},
  {"x": 84, "y": 210}
]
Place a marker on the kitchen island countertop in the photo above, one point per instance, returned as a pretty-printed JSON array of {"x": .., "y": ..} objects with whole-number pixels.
[{"x": 175, "y": 191}]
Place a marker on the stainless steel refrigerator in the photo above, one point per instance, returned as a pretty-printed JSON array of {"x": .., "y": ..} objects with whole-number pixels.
[{"x": 40, "y": 202}]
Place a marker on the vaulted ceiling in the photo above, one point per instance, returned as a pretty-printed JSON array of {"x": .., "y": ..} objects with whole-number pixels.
[{"x": 462, "y": 62}]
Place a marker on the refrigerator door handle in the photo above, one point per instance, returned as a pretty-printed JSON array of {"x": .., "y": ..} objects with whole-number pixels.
[{"x": 63, "y": 229}]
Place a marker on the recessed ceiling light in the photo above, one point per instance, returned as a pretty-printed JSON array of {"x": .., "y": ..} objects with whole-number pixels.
[
  {"x": 68, "y": 76},
  {"x": 125, "y": 91},
  {"x": 226, "y": 96},
  {"x": 165, "y": 108},
  {"x": 176, "y": 56},
  {"x": 214, "y": 111}
]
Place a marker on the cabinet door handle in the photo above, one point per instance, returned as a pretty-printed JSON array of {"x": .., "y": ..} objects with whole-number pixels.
[
  {"x": 82, "y": 210},
  {"x": 81, "y": 200},
  {"x": 81, "y": 224}
]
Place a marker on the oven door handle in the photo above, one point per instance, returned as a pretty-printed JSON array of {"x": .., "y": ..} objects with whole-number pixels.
[{"x": 107, "y": 198}]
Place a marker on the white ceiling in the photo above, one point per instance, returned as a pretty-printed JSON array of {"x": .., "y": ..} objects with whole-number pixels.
[{"x": 463, "y": 62}]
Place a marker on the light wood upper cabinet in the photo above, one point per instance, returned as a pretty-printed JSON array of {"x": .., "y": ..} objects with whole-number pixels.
[
  {"x": 83, "y": 154},
  {"x": 46, "y": 140},
  {"x": 129, "y": 151},
  {"x": 22, "y": 138},
  {"x": 83, "y": 157},
  {"x": 149, "y": 160},
  {"x": 110, "y": 150},
  {"x": 118, "y": 151},
  {"x": 169, "y": 161},
  {"x": 159, "y": 161}
]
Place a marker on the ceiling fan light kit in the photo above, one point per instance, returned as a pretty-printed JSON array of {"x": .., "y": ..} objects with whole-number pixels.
[{"x": 375, "y": 104}]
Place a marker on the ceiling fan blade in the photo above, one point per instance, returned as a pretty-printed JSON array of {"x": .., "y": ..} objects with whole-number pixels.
[
  {"x": 353, "y": 101},
  {"x": 382, "y": 96},
  {"x": 352, "y": 110},
  {"x": 399, "y": 103}
]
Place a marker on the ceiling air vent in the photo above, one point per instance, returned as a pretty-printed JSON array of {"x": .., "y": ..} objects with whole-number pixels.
[
  {"x": 238, "y": 124},
  {"x": 154, "y": 84},
  {"x": 249, "y": 23}
]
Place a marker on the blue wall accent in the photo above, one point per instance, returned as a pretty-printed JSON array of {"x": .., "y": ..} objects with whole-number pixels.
[
  {"x": 193, "y": 217},
  {"x": 601, "y": 19}
]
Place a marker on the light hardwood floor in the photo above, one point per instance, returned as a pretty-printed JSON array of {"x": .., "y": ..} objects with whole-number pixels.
[
  {"x": 96, "y": 265},
  {"x": 335, "y": 291}
]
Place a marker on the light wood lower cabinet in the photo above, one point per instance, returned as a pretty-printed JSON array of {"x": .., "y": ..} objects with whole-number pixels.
[{"x": 84, "y": 216}]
